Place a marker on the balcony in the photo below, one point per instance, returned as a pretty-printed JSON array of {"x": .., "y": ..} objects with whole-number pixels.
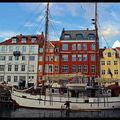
[{"x": 16, "y": 53}]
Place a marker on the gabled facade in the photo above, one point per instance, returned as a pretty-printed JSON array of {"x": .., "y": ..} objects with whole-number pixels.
[{"x": 110, "y": 64}]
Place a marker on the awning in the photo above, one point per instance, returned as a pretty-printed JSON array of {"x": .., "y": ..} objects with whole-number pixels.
[
  {"x": 60, "y": 76},
  {"x": 107, "y": 80}
]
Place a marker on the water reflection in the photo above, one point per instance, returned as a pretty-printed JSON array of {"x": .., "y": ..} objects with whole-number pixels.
[{"x": 9, "y": 111}]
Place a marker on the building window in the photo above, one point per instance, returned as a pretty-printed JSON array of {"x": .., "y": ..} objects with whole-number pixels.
[
  {"x": 84, "y": 57},
  {"x": 15, "y": 78},
  {"x": 8, "y": 78},
  {"x": 2, "y": 58},
  {"x": 84, "y": 46},
  {"x": 31, "y": 68},
  {"x": 32, "y": 48},
  {"x": 51, "y": 50},
  {"x": 16, "y": 58},
  {"x": 41, "y": 50},
  {"x": 93, "y": 57},
  {"x": 64, "y": 46},
  {"x": 50, "y": 58},
  {"x": 73, "y": 46},
  {"x": 23, "y": 49},
  {"x": 79, "y": 46},
  {"x": 14, "y": 40},
  {"x": 108, "y": 62},
  {"x": 9, "y": 67},
  {"x": 79, "y": 57},
  {"x": 22, "y": 67},
  {"x": 80, "y": 68},
  {"x": 115, "y": 62},
  {"x": 10, "y": 58},
  {"x": 102, "y": 62},
  {"x": 56, "y": 49},
  {"x": 40, "y": 58},
  {"x": 47, "y": 58},
  {"x": 115, "y": 72},
  {"x": 56, "y": 68},
  {"x": 40, "y": 68},
  {"x": 3, "y": 49},
  {"x": 65, "y": 68},
  {"x": 64, "y": 57},
  {"x": 1, "y": 78},
  {"x": 17, "y": 48},
  {"x": 79, "y": 37},
  {"x": 103, "y": 72},
  {"x": 73, "y": 68},
  {"x": 73, "y": 58},
  {"x": 50, "y": 68},
  {"x": 109, "y": 54},
  {"x": 23, "y": 40},
  {"x": 10, "y": 49},
  {"x": 93, "y": 68},
  {"x": 31, "y": 58},
  {"x": 22, "y": 78},
  {"x": 92, "y": 46},
  {"x": 91, "y": 36},
  {"x": 67, "y": 37},
  {"x": 2, "y": 67},
  {"x": 33, "y": 39},
  {"x": 56, "y": 58},
  {"x": 85, "y": 68},
  {"x": 16, "y": 67},
  {"x": 23, "y": 58}
]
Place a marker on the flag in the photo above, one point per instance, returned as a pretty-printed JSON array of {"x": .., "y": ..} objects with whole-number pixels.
[{"x": 109, "y": 72}]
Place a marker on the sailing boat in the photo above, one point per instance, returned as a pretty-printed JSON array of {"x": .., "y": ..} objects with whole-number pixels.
[{"x": 88, "y": 97}]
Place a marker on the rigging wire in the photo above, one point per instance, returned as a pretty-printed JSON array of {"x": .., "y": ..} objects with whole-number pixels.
[
  {"x": 103, "y": 35},
  {"x": 31, "y": 16},
  {"x": 53, "y": 25},
  {"x": 37, "y": 28}
]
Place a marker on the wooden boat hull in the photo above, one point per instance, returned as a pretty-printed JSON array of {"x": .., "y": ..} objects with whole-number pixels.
[{"x": 57, "y": 102}]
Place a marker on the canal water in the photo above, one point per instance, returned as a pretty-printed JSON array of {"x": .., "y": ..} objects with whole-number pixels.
[{"x": 10, "y": 112}]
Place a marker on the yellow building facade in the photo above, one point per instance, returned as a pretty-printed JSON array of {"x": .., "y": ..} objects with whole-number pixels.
[{"x": 110, "y": 65}]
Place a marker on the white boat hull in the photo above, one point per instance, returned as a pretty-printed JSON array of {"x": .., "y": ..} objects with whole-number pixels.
[{"x": 47, "y": 102}]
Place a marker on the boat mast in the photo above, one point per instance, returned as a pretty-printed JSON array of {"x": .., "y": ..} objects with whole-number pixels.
[
  {"x": 46, "y": 37},
  {"x": 97, "y": 41}
]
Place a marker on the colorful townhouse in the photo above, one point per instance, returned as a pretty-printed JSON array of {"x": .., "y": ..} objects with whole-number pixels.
[
  {"x": 22, "y": 57},
  {"x": 19, "y": 59},
  {"x": 109, "y": 65},
  {"x": 78, "y": 54}
]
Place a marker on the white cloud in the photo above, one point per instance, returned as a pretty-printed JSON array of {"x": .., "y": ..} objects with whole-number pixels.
[
  {"x": 29, "y": 24},
  {"x": 110, "y": 31},
  {"x": 116, "y": 44},
  {"x": 6, "y": 34}
]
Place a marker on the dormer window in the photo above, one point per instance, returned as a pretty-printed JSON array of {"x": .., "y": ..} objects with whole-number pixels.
[
  {"x": 33, "y": 39},
  {"x": 91, "y": 36},
  {"x": 23, "y": 40},
  {"x": 79, "y": 37},
  {"x": 14, "y": 40},
  {"x": 67, "y": 37}
]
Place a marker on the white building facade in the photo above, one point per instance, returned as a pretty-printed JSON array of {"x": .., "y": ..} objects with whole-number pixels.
[{"x": 19, "y": 63}]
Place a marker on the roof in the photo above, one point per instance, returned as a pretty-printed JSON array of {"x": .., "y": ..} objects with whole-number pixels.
[
  {"x": 73, "y": 33},
  {"x": 39, "y": 40}
]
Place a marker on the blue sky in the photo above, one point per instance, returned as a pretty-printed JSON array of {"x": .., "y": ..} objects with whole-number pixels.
[{"x": 28, "y": 18}]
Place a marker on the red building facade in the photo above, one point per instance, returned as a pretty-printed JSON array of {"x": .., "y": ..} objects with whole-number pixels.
[{"x": 78, "y": 54}]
